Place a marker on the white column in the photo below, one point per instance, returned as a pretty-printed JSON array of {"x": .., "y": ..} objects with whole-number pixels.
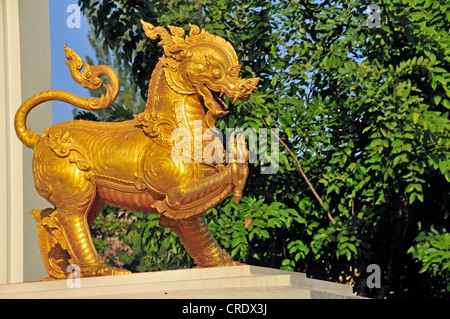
[
  {"x": 11, "y": 156},
  {"x": 35, "y": 62},
  {"x": 25, "y": 69}
]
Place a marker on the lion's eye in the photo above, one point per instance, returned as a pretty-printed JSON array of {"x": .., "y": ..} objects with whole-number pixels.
[
  {"x": 217, "y": 74},
  {"x": 234, "y": 71}
]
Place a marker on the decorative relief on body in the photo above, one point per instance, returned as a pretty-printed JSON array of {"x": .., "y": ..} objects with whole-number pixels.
[{"x": 81, "y": 165}]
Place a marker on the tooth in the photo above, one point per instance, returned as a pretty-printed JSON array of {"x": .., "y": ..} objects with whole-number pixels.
[
  {"x": 234, "y": 99},
  {"x": 221, "y": 93}
]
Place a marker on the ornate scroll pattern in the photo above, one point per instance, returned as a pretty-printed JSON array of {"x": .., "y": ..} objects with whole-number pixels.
[
  {"x": 54, "y": 248},
  {"x": 62, "y": 145},
  {"x": 157, "y": 126}
]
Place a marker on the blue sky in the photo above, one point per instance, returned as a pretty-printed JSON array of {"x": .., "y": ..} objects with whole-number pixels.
[{"x": 75, "y": 38}]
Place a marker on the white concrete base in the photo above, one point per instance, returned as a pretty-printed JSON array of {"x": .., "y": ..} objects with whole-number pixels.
[{"x": 237, "y": 282}]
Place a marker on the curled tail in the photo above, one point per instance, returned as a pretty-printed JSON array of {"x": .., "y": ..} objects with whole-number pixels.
[{"x": 89, "y": 78}]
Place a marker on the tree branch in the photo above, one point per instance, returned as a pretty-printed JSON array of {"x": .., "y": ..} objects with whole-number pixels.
[{"x": 302, "y": 173}]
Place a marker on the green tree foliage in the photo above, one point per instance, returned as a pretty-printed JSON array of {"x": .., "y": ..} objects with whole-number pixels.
[
  {"x": 129, "y": 94},
  {"x": 362, "y": 112}
]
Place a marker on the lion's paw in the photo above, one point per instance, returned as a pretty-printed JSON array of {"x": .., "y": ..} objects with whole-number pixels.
[{"x": 103, "y": 270}]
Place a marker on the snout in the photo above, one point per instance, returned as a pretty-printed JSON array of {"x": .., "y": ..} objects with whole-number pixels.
[
  {"x": 240, "y": 89},
  {"x": 246, "y": 87}
]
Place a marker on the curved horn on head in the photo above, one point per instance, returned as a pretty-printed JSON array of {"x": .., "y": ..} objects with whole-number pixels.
[
  {"x": 194, "y": 29},
  {"x": 153, "y": 32}
]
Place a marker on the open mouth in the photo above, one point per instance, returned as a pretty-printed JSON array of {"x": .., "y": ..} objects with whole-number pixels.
[
  {"x": 219, "y": 100},
  {"x": 213, "y": 95},
  {"x": 219, "y": 105}
]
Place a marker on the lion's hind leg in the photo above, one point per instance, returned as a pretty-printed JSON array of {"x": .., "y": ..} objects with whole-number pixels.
[
  {"x": 63, "y": 178},
  {"x": 81, "y": 248},
  {"x": 72, "y": 214}
]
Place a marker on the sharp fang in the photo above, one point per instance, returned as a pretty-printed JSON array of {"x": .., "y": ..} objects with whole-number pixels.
[
  {"x": 234, "y": 99},
  {"x": 221, "y": 93}
]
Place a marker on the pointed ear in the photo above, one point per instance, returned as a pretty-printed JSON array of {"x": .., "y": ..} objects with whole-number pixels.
[{"x": 153, "y": 32}]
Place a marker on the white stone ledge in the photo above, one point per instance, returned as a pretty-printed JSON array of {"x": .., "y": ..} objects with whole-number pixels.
[{"x": 237, "y": 282}]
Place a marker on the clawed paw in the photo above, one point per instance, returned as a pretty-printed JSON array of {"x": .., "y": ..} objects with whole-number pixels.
[
  {"x": 237, "y": 149},
  {"x": 109, "y": 270},
  {"x": 238, "y": 157},
  {"x": 103, "y": 270},
  {"x": 239, "y": 173},
  {"x": 223, "y": 261}
]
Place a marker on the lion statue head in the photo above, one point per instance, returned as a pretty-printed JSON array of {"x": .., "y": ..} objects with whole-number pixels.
[{"x": 201, "y": 63}]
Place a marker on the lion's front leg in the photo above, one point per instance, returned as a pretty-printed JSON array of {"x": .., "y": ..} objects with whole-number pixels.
[
  {"x": 182, "y": 212},
  {"x": 196, "y": 197},
  {"x": 195, "y": 236},
  {"x": 183, "y": 201}
]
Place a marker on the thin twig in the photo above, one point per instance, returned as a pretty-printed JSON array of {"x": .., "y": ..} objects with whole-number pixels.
[{"x": 301, "y": 172}]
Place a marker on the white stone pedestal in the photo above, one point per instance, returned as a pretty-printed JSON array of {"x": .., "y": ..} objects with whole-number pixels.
[{"x": 237, "y": 282}]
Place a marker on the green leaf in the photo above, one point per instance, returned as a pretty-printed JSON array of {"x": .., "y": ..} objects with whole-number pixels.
[
  {"x": 289, "y": 132},
  {"x": 409, "y": 188},
  {"x": 274, "y": 80},
  {"x": 415, "y": 117}
]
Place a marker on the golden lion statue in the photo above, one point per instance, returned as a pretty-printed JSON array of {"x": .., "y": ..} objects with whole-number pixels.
[{"x": 79, "y": 166}]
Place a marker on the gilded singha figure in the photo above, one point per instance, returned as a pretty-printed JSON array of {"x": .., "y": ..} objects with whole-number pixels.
[{"x": 79, "y": 166}]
